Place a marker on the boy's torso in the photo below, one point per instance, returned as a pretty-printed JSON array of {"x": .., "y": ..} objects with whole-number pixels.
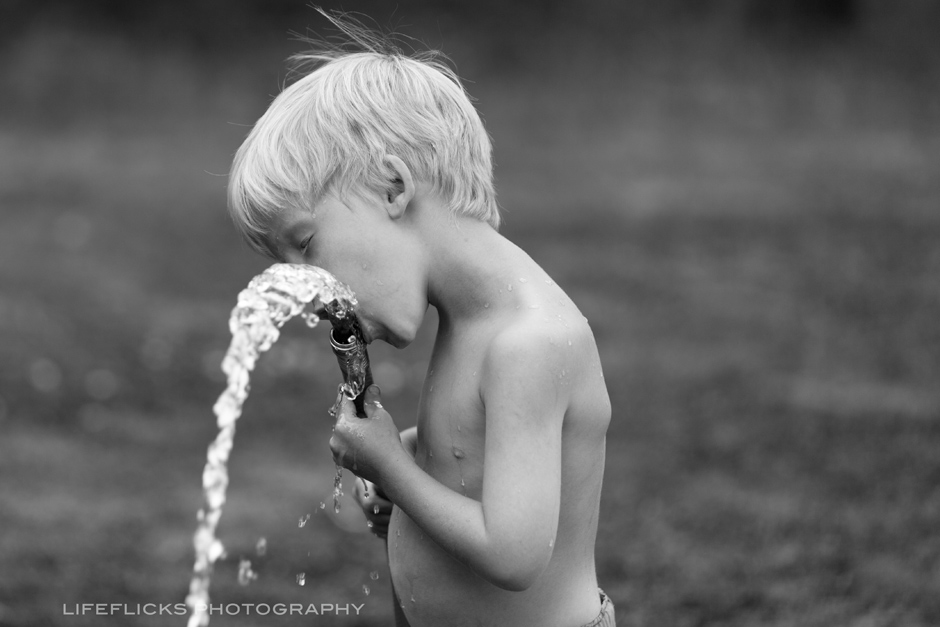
[{"x": 433, "y": 587}]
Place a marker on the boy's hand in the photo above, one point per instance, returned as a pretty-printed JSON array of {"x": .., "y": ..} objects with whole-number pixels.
[
  {"x": 366, "y": 446},
  {"x": 375, "y": 506}
]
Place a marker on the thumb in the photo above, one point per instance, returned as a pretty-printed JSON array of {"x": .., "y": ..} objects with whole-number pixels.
[
  {"x": 345, "y": 407},
  {"x": 373, "y": 400}
]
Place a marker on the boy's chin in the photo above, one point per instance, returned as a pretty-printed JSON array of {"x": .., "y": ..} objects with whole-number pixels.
[{"x": 397, "y": 339}]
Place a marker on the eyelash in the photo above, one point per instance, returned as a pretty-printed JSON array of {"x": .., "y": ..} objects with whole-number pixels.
[{"x": 305, "y": 243}]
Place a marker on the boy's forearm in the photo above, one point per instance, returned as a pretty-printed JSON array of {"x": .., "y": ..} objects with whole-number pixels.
[
  {"x": 456, "y": 522},
  {"x": 409, "y": 439}
]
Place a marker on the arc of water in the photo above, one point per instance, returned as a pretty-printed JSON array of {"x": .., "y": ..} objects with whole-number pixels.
[{"x": 278, "y": 294}]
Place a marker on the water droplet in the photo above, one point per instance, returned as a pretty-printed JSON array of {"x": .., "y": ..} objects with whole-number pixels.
[
  {"x": 486, "y": 305},
  {"x": 533, "y": 306},
  {"x": 551, "y": 542},
  {"x": 458, "y": 453},
  {"x": 549, "y": 282},
  {"x": 303, "y": 521},
  {"x": 245, "y": 574},
  {"x": 375, "y": 510},
  {"x": 398, "y": 532},
  {"x": 365, "y": 590},
  {"x": 262, "y": 546},
  {"x": 322, "y": 505},
  {"x": 301, "y": 578},
  {"x": 523, "y": 280},
  {"x": 463, "y": 484},
  {"x": 413, "y": 598},
  {"x": 369, "y": 524},
  {"x": 374, "y": 575},
  {"x": 310, "y": 318},
  {"x": 510, "y": 287},
  {"x": 337, "y": 488}
]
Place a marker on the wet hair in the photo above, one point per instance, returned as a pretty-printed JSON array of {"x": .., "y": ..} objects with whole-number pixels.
[{"x": 351, "y": 104}]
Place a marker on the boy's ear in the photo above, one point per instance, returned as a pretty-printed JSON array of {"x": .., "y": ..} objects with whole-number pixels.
[{"x": 401, "y": 189}]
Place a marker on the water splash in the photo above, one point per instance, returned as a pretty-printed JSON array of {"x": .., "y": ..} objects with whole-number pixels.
[
  {"x": 271, "y": 299},
  {"x": 337, "y": 488},
  {"x": 245, "y": 574}
]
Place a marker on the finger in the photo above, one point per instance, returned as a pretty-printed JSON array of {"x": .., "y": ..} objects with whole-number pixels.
[
  {"x": 373, "y": 400},
  {"x": 347, "y": 409},
  {"x": 381, "y": 495}
]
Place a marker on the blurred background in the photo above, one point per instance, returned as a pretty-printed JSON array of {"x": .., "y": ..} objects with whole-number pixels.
[{"x": 741, "y": 195}]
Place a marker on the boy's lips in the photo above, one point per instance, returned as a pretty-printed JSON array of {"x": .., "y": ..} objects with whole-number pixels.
[{"x": 367, "y": 336}]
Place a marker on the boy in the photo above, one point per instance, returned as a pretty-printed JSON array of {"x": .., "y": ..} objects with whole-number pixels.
[{"x": 376, "y": 167}]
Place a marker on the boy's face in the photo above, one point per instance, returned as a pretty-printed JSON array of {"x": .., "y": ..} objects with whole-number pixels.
[{"x": 361, "y": 245}]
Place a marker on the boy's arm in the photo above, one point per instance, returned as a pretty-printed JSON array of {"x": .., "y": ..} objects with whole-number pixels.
[
  {"x": 409, "y": 439},
  {"x": 508, "y": 537}
]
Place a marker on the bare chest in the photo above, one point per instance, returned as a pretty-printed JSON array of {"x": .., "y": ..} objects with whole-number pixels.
[{"x": 452, "y": 419}]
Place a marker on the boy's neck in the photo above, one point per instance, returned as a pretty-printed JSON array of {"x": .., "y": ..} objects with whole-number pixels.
[{"x": 470, "y": 265}]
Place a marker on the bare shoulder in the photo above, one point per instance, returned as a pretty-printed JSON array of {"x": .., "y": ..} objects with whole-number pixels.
[{"x": 537, "y": 350}]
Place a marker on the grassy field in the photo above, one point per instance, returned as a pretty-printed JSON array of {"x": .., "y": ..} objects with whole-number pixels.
[{"x": 753, "y": 236}]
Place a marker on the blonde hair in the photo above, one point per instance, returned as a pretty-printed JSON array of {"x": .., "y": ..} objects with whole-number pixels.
[{"x": 333, "y": 127}]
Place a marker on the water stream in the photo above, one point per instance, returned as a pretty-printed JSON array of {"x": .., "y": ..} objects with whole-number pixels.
[{"x": 280, "y": 293}]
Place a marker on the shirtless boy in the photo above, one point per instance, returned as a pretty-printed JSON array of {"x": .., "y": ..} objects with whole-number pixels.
[{"x": 376, "y": 167}]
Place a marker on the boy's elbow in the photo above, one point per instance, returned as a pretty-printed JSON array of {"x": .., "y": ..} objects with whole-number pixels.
[
  {"x": 516, "y": 575},
  {"x": 515, "y": 582}
]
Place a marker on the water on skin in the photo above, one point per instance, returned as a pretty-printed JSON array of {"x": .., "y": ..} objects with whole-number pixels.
[{"x": 271, "y": 299}]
